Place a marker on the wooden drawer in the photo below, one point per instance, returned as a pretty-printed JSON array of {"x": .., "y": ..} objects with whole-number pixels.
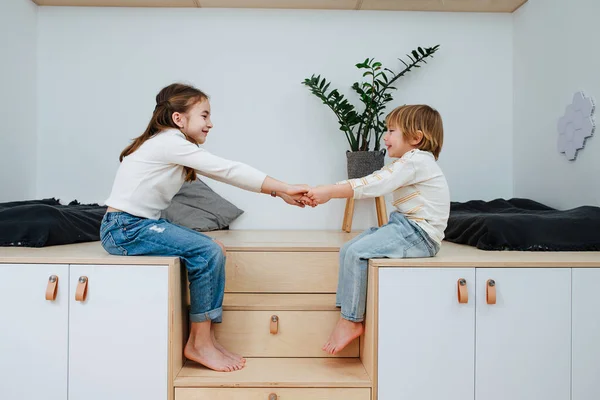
[
  {"x": 299, "y": 333},
  {"x": 272, "y": 394},
  {"x": 282, "y": 272}
]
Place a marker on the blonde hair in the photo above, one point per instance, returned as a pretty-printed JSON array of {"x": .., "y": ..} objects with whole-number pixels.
[{"x": 420, "y": 117}]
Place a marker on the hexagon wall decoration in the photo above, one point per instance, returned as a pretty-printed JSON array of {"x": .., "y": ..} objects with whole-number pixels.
[{"x": 576, "y": 125}]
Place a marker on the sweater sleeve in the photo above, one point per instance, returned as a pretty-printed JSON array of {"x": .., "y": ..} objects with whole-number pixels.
[
  {"x": 178, "y": 150},
  {"x": 386, "y": 180}
]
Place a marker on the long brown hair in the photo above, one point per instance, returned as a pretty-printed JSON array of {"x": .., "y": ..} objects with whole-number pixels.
[
  {"x": 419, "y": 117},
  {"x": 176, "y": 97}
]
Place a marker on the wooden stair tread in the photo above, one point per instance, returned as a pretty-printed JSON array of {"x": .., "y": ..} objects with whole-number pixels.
[
  {"x": 279, "y": 302},
  {"x": 279, "y": 372},
  {"x": 257, "y": 240}
]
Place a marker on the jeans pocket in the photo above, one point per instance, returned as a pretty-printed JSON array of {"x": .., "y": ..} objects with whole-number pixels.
[
  {"x": 131, "y": 226},
  {"x": 108, "y": 242},
  {"x": 106, "y": 226}
]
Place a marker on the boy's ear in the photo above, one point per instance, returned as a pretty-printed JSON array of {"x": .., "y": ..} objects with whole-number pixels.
[{"x": 415, "y": 140}]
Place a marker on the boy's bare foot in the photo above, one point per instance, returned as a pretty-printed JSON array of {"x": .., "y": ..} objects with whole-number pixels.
[
  {"x": 209, "y": 356},
  {"x": 234, "y": 356},
  {"x": 344, "y": 332}
]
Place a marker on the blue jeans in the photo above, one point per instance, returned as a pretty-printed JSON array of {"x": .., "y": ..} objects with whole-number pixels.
[
  {"x": 399, "y": 238},
  {"x": 124, "y": 234}
]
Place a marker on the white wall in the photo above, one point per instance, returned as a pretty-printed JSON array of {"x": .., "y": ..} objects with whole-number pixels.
[
  {"x": 100, "y": 69},
  {"x": 18, "y": 108},
  {"x": 556, "y": 54}
]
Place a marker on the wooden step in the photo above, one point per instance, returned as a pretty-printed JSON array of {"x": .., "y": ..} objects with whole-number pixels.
[
  {"x": 284, "y": 240},
  {"x": 277, "y": 302},
  {"x": 280, "y": 372},
  {"x": 281, "y": 272},
  {"x": 280, "y": 333},
  {"x": 272, "y": 393}
]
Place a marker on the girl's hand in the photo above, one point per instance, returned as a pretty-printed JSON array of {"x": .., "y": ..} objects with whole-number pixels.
[
  {"x": 319, "y": 194},
  {"x": 297, "y": 189},
  {"x": 293, "y": 200}
]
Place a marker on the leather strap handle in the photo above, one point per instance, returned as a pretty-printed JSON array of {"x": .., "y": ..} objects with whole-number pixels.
[
  {"x": 81, "y": 291},
  {"x": 490, "y": 291},
  {"x": 52, "y": 287},
  {"x": 462, "y": 291},
  {"x": 274, "y": 328}
]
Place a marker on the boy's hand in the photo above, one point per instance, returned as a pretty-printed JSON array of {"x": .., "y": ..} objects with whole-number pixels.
[
  {"x": 319, "y": 194},
  {"x": 308, "y": 201}
]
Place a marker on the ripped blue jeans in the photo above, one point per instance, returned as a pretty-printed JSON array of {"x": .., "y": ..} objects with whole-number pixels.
[
  {"x": 124, "y": 234},
  {"x": 399, "y": 238}
]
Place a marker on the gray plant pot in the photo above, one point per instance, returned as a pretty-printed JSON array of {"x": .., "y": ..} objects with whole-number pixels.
[{"x": 363, "y": 163}]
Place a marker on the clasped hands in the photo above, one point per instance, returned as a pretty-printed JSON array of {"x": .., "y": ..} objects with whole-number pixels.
[{"x": 305, "y": 195}]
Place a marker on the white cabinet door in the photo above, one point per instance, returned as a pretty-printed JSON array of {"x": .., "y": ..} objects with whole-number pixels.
[
  {"x": 523, "y": 342},
  {"x": 426, "y": 337},
  {"x": 586, "y": 333},
  {"x": 118, "y": 336},
  {"x": 33, "y": 332}
]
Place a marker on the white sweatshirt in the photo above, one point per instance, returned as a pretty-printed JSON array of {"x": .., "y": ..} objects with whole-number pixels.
[
  {"x": 149, "y": 178},
  {"x": 418, "y": 187}
]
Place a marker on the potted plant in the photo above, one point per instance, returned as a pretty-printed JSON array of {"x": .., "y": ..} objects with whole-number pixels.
[{"x": 364, "y": 130}]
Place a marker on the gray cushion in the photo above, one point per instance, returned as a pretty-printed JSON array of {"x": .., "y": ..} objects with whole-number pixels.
[{"x": 198, "y": 207}]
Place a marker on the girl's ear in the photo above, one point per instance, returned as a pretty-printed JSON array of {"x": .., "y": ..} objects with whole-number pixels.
[
  {"x": 177, "y": 119},
  {"x": 415, "y": 140}
]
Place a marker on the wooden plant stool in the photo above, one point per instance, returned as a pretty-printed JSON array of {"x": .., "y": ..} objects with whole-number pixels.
[{"x": 382, "y": 217}]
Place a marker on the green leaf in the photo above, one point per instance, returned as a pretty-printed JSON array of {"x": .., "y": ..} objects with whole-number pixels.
[{"x": 362, "y": 128}]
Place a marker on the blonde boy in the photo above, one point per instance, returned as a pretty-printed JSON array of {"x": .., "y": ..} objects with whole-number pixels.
[{"x": 416, "y": 227}]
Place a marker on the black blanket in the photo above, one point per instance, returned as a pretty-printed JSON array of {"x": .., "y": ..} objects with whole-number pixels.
[
  {"x": 522, "y": 224},
  {"x": 38, "y": 223}
]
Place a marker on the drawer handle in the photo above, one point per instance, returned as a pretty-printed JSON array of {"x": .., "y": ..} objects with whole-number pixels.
[
  {"x": 490, "y": 291},
  {"x": 52, "y": 288},
  {"x": 463, "y": 293},
  {"x": 274, "y": 328},
  {"x": 272, "y": 396},
  {"x": 81, "y": 292}
]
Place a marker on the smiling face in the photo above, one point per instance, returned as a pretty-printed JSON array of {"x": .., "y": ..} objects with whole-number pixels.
[
  {"x": 397, "y": 144},
  {"x": 196, "y": 122}
]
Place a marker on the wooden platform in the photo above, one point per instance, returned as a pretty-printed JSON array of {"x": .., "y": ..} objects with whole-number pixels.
[
  {"x": 450, "y": 255},
  {"x": 280, "y": 372},
  {"x": 291, "y": 275}
]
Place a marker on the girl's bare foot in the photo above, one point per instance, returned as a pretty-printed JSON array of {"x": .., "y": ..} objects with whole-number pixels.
[
  {"x": 209, "y": 356},
  {"x": 234, "y": 356},
  {"x": 344, "y": 332}
]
